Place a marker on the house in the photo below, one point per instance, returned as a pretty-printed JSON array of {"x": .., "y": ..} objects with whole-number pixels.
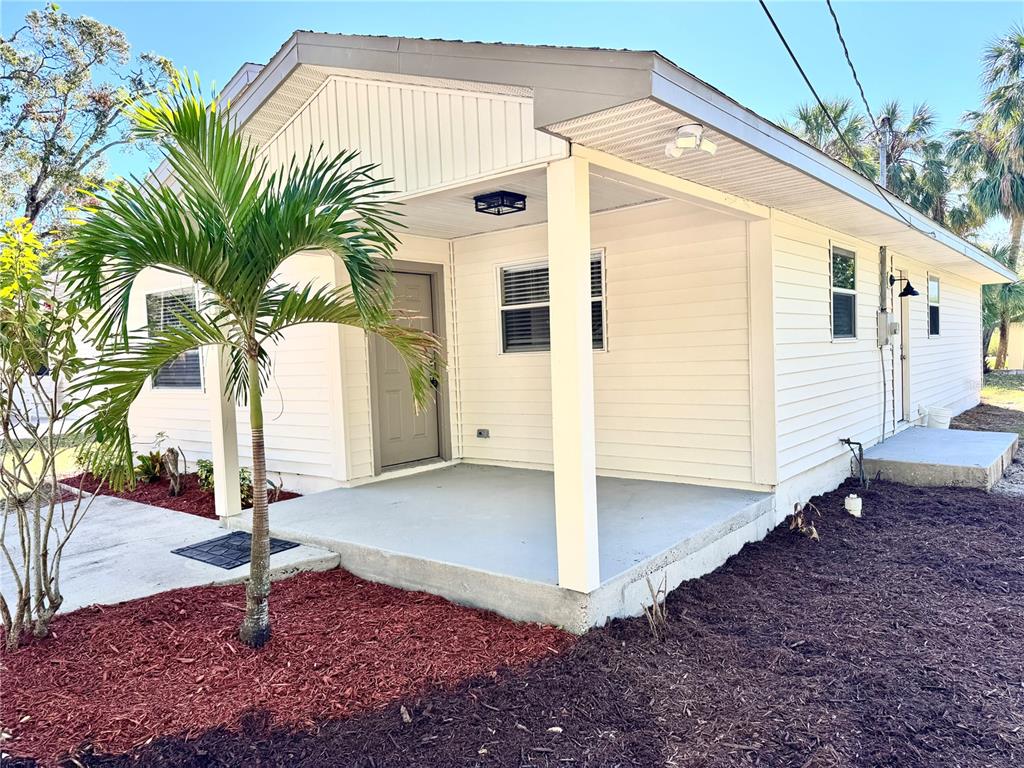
[{"x": 651, "y": 356}]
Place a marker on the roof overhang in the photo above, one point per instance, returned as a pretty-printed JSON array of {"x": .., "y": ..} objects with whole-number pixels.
[{"x": 627, "y": 104}]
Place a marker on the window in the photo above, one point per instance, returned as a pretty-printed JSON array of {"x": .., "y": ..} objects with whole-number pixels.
[
  {"x": 526, "y": 302},
  {"x": 162, "y": 310},
  {"x": 844, "y": 293},
  {"x": 933, "y": 305}
]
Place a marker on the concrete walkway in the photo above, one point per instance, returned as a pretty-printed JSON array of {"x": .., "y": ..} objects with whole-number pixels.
[{"x": 122, "y": 550}]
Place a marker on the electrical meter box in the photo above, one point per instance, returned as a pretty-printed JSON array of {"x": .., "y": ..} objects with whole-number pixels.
[{"x": 887, "y": 328}]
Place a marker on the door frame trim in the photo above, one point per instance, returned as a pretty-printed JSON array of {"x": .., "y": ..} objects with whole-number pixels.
[
  {"x": 905, "y": 341},
  {"x": 437, "y": 299}
]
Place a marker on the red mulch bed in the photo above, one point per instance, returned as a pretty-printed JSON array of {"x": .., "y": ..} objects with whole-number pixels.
[
  {"x": 894, "y": 641},
  {"x": 118, "y": 676},
  {"x": 193, "y": 499}
]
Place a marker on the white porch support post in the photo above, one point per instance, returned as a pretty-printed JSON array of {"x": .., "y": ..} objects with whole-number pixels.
[
  {"x": 224, "y": 438},
  {"x": 761, "y": 319},
  {"x": 572, "y": 374}
]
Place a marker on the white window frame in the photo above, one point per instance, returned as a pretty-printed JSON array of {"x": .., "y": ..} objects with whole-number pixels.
[
  {"x": 832, "y": 290},
  {"x": 598, "y": 253},
  {"x": 201, "y": 387},
  {"x": 937, "y": 303}
]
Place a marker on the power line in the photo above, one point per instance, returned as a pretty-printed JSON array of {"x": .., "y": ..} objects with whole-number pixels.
[
  {"x": 839, "y": 134},
  {"x": 846, "y": 53}
]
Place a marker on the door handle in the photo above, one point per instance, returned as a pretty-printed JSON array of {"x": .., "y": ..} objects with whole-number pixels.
[{"x": 434, "y": 382}]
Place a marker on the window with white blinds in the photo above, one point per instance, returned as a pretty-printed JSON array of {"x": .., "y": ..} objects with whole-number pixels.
[
  {"x": 526, "y": 306},
  {"x": 162, "y": 311}
]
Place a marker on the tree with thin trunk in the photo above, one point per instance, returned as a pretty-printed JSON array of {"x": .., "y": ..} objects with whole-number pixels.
[
  {"x": 1001, "y": 301},
  {"x": 62, "y": 79},
  {"x": 228, "y": 221}
]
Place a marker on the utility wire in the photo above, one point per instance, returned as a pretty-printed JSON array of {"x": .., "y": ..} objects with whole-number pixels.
[
  {"x": 881, "y": 190},
  {"x": 846, "y": 53}
]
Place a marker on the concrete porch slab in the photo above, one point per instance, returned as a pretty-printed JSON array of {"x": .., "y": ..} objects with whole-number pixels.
[
  {"x": 485, "y": 536},
  {"x": 942, "y": 457},
  {"x": 122, "y": 551}
]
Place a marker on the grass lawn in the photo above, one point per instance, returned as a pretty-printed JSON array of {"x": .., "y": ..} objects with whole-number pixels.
[
  {"x": 1004, "y": 390},
  {"x": 1002, "y": 405},
  {"x": 66, "y": 462}
]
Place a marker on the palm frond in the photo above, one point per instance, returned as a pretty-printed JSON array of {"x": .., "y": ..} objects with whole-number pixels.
[
  {"x": 285, "y": 307},
  {"x": 109, "y": 385}
]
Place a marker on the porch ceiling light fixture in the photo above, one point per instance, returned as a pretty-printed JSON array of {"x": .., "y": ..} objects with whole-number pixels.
[
  {"x": 908, "y": 289},
  {"x": 499, "y": 203},
  {"x": 690, "y": 136}
]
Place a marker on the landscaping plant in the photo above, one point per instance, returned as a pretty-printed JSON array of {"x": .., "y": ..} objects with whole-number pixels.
[
  {"x": 228, "y": 222},
  {"x": 38, "y": 352}
]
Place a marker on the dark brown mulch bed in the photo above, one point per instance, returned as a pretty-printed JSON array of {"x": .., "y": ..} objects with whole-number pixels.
[
  {"x": 170, "y": 664},
  {"x": 193, "y": 499},
  {"x": 990, "y": 418},
  {"x": 898, "y": 640}
]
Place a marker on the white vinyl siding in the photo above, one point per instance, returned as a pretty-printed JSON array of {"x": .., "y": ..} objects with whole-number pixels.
[
  {"x": 672, "y": 394},
  {"x": 300, "y": 425},
  {"x": 422, "y": 137},
  {"x": 828, "y": 391}
]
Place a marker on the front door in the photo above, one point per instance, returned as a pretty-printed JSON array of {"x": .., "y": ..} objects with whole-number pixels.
[{"x": 405, "y": 434}]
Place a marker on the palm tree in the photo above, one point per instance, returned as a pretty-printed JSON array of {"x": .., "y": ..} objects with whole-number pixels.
[
  {"x": 1001, "y": 301},
  {"x": 810, "y": 123},
  {"x": 909, "y": 139},
  {"x": 989, "y": 150},
  {"x": 229, "y": 224},
  {"x": 1004, "y": 75}
]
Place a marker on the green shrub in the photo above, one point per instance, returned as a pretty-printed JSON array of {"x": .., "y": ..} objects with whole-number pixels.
[
  {"x": 150, "y": 466},
  {"x": 204, "y": 473}
]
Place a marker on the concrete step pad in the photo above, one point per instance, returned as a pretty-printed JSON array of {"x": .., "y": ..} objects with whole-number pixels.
[{"x": 924, "y": 456}]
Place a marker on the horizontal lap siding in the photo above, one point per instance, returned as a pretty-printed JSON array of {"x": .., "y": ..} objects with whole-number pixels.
[
  {"x": 672, "y": 393},
  {"x": 828, "y": 390},
  {"x": 945, "y": 369},
  {"x": 300, "y": 431}
]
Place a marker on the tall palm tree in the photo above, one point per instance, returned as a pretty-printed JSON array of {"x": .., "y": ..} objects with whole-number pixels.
[
  {"x": 989, "y": 150},
  {"x": 909, "y": 138},
  {"x": 228, "y": 224},
  {"x": 810, "y": 123},
  {"x": 1004, "y": 75}
]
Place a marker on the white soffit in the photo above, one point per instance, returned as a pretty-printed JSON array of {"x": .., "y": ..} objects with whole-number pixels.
[
  {"x": 639, "y": 131},
  {"x": 450, "y": 214}
]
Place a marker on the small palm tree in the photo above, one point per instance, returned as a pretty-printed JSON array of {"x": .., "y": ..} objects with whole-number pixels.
[{"x": 228, "y": 222}]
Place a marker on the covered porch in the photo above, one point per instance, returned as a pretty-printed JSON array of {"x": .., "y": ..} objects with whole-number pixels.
[{"x": 486, "y": 536}]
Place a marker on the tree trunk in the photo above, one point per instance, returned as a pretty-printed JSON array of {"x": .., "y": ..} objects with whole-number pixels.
[
  {"x": 255, "y": 629},
  {"x": 1003, "y": 350},
  {"x": 1016, "y": 228}
]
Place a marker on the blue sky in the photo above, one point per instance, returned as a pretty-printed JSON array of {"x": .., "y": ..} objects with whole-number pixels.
[{"x": 916, "y": 51}]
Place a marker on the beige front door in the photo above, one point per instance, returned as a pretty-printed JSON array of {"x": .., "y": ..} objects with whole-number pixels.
[
  {"x": 900, "y": 349},
  {"x": 405, "y": 434}
]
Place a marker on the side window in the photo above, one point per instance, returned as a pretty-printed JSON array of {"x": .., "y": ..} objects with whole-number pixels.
[
  {"x": 844, "y": 293},
  {"x": 933, "y": 305},
  {"x": 526, "y": 306},
  {"x": 162, "y": 310}
]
